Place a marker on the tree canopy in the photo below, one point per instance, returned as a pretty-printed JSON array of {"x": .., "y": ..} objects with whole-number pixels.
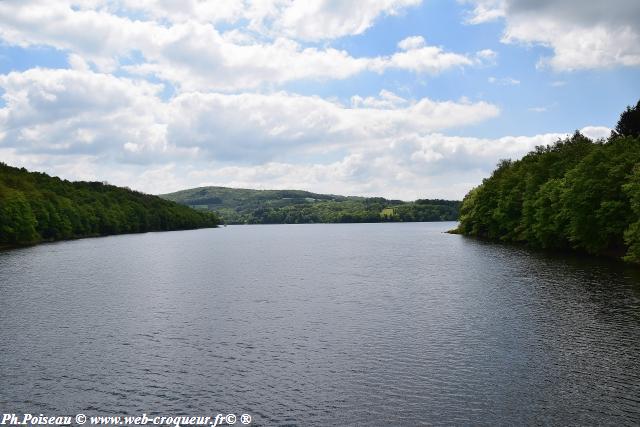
[
  {"x": 244, "y": 206},
  {"x": 629, "y": 123},
  {"x": 575, "y": 194},
  {"x": 36, "y": 207}
]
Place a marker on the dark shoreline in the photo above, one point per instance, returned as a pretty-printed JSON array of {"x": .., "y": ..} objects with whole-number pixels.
[
  {"x": 7, "y": 247},
  {"x": 612, "y": 255}
]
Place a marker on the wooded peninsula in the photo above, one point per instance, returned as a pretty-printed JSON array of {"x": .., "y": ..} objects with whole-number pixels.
[
  {"x": 576, "y": 194},
  {"x": 35, "y": 207}
]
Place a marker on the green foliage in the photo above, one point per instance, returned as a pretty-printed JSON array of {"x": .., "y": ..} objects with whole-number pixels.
[
  {"x": 242, "y": 206},
  {"x": 632, "y": 234},
  {"x": 576, "y": 193},
  {"x": 35, "y": 207},
  {"x": 17, "y": 221},
  {"x": 629, "y": 123}
]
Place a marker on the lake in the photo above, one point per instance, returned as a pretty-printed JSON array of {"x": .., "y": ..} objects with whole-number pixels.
[{"x": 332, "y": 324}]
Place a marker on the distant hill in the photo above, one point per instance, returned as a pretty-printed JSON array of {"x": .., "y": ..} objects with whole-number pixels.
[
  {"x": 36, "y": 207},
  {"x": 244, "y": 206}
]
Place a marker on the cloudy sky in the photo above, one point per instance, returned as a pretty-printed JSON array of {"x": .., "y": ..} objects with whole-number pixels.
[{"x": 399, "y": 98}]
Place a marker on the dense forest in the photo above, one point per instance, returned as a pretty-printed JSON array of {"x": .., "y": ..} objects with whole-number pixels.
[
  {"x": 36, "y": 207},
  {"x": 575, "y": 194},
  {"x": 243, "y": 206}
]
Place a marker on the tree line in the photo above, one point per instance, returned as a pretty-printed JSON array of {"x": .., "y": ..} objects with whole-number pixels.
[
  {"x": 36, "y": 207},
  {"x": 246, "y": 206},
  {"x": 351, "y": 210},
  {"x": 575, "y": 194}
]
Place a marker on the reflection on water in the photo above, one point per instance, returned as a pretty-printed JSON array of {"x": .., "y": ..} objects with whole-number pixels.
[{"x": 319, "y": 324}]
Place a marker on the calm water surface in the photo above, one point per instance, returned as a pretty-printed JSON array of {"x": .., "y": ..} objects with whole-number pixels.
[{"x": 363, "y": 324}]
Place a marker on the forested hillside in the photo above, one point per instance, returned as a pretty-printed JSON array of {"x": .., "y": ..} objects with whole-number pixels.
[
  {"x": 243, "y": 206},
  {"x": 36, "y": 207},
  {"x": 575, "y": 194}
]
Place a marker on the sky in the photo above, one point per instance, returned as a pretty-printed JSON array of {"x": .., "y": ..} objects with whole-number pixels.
[{"x": 403, "y": 99}]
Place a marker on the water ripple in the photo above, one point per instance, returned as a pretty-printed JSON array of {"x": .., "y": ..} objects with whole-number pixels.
[{"x": 362, "y": 324}]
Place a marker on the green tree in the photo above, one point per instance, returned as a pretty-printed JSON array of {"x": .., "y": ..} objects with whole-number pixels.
[
  {"x": 35, "y": 207},
  {"x": 632, "y": 233},
  {"x": 17, "y": 221},
  {"x": 629, "y": 123},
  {"x": 575, "y": 193}
]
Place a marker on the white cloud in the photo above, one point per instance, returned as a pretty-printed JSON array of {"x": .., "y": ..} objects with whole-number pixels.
[
  {"x": 485, "y": 11},
  {"x": 226, "y": 65},
  {"x": 504, "y": 81},
  {"x": 326, "y": 19},
  {"x": 177, "y": 11},
  {"x": 192, "y": 54},
  {"x": 577, "y": 46},
  {"x": 198, "y": 57},
  {"x": 189, "y": 54},
  {"x": 72, "y": 111},
  {"x": 596, "y": 132},
  {"x": 87, "y": 125},
  {"x": 309, "y": 20},
  {"x": 414, "y": 166},
  {"x": 385, "y": 99},
  {"x": 76, "y": 62},
  {"x": 267, "y": 127},
  {"x": 486, "y": 57},
  {"x": 431, "y": 165},
  {"x": 96, "y": 35},
  {"x": 591, "y": 34},
  {"x": 410, "y": 43},
  {"x": 418, "y": 57}
]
